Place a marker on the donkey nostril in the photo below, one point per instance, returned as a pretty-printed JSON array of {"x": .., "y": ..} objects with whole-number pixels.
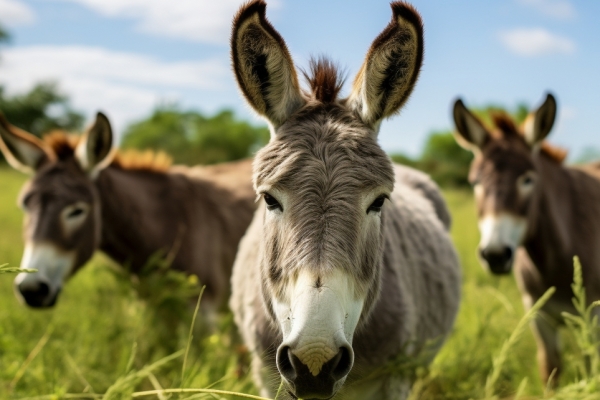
[
  {"x": 483, "y": 253},
  {"x": 284, "y": 363},
  {"x": 507, "y": 253},
  {"x": 342, "y": 364},
  {"x": 35, "y": 294},
  {"x": 43, "y": 289}
]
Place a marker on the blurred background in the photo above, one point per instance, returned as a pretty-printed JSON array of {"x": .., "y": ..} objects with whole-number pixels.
[{"x": 161, "y": 71}]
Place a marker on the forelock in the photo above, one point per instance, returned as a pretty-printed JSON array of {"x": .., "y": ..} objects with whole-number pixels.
[{"x": 325, "y": 80}]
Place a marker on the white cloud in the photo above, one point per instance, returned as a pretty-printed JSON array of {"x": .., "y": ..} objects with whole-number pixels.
[
  {"x": 559, "y": 9},
  {"x": 206, "y": 21},
  {"x": 535, "y": 42},
  {"x": 14, "y": 12},
  {"x": 125, "y": 85}
]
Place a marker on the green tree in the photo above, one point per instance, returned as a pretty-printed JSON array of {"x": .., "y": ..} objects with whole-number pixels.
[
  {"x": 4, "y": 36},
  {"x": 191, "y": 138},
  {"x": 40, "y": 110},
  {"x": 445, "y": 160}
]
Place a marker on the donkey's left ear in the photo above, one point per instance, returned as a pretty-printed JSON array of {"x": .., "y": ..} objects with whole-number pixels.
[
  {"x": 391, "y": 68},
  {"x": 94, "y": 151},
  {"x": 539, "y": 123}
]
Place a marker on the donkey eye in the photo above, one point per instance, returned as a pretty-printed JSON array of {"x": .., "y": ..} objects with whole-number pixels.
[
  {"x": 272, "y": 203},
  {"x": 377, "y": 204},
  {"x": 75, "y": 212},
  {"x": 527, "y": 179}
]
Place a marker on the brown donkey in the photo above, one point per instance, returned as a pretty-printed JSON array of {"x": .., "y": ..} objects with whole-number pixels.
[
  {"x": 536, "y": 213},
  {"x": 347, "y": 264},
  {"x": 85, "y": 196}
]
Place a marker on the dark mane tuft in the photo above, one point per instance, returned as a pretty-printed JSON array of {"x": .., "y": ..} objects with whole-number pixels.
[
  {"x": 64, "y": 145},
  {"x": 507, "y": 128},
  {"x": 504, "y": 123},
  {"x": 325, "y": 80}
]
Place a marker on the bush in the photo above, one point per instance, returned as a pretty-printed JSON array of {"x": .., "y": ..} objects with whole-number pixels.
[{"x": 191, "y": 138}]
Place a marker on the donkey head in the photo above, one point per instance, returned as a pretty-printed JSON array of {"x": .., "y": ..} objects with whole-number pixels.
[
  {"x": 324, "y": 181},
  {"x": 62, "y": 210},
  {"x": 504, "y": 177}
]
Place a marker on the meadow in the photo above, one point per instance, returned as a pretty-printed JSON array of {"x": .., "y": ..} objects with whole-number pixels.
[{"x": 115, "y": 335}]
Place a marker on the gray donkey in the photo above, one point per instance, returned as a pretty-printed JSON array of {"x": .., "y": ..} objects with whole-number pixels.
[{"x": 347, "y": 264}]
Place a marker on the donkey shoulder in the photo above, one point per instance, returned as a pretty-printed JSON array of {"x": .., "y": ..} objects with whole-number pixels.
[{"x": 423, "y": 184}]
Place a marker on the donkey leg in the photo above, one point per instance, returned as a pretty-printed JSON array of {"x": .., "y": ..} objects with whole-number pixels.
[{"x": 548, "y": 349}]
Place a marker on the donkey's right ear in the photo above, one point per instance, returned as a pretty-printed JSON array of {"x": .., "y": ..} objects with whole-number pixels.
[
  {"x": 471, "y": 134},
  {"x": 263, "y": 66},
  {"x": 23, "y": 151}
]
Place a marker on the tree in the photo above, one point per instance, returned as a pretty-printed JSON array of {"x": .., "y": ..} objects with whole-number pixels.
[
  {"x": 41, "y": 110},
  {"x": 4, "y": 36},
  {"x": 191, "y": 138}
]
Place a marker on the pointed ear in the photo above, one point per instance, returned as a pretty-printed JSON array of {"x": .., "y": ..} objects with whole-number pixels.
[
  {"x": 471, "y": 134},
  {"x": 263, "y": 66},
  {"x": 391, "y": 68},
  {"x": 94, "y": 151},
  {"x": 539, "y": 123},
  {"x": 23, "y": 151}
]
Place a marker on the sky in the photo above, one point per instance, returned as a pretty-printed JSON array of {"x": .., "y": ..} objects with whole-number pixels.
[{"x": 126, "y": 57}]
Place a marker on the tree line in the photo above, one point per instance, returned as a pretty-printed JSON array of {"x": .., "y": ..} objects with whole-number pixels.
[{"x": 191, "y": 137}]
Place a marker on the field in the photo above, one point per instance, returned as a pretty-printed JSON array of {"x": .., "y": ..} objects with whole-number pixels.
[{"x": 106, "y": 329}]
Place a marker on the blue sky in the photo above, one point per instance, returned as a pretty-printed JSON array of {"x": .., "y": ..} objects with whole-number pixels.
[{"x": 127, "y": 56}]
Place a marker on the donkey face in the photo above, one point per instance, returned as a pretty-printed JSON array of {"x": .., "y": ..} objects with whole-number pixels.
[
  {"x": 504, "y": 177},
  {"x": 324, "y": 181},
  {"x": 62, "y": 211}
]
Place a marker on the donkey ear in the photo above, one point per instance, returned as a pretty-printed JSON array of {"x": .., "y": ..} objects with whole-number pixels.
[
  {"x": 391, "y": 68},
  {"x": 471, "y": 134},
  {"x": 539, "y": 123},
  {"x": 22, "y": 150},
  {"x": 263, "y": 66},
  {"x": 94, "y": 151}
]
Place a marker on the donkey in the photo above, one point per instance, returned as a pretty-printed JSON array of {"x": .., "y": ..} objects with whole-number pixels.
[
  {"x": 85, "y": 196},
  {"x": 534, "y": 213},
  {"x": 347, "y": 264}
]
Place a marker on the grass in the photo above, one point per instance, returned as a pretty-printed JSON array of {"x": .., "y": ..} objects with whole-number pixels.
[{"x": 114, "y": 335}]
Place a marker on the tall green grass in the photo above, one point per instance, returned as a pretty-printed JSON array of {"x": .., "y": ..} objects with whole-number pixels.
[{"x": 117, "y": 337}]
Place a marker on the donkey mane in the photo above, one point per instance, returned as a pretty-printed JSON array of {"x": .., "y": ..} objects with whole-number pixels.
[
  {"x": 506, "y": 128},
  {"x": 325, "y": 79},
  {"x": 64, "y": 145}
]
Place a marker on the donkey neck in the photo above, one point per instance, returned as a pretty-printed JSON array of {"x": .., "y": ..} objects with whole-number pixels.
[
  {"x": 146, "y": 212},
  {"x": 549, "y": 241},
  {"x": 130, "y": 202}
]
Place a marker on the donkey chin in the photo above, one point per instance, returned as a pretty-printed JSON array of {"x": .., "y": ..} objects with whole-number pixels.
[
  {"x": 316, "y": 354},
  {"x": 40, "y": 289}
]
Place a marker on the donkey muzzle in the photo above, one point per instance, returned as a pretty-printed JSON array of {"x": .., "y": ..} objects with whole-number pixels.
[
  {"x": 498, "y": 260},
  {"x": 36, "y": 294},
  {"x": 304, "y": 384}
]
